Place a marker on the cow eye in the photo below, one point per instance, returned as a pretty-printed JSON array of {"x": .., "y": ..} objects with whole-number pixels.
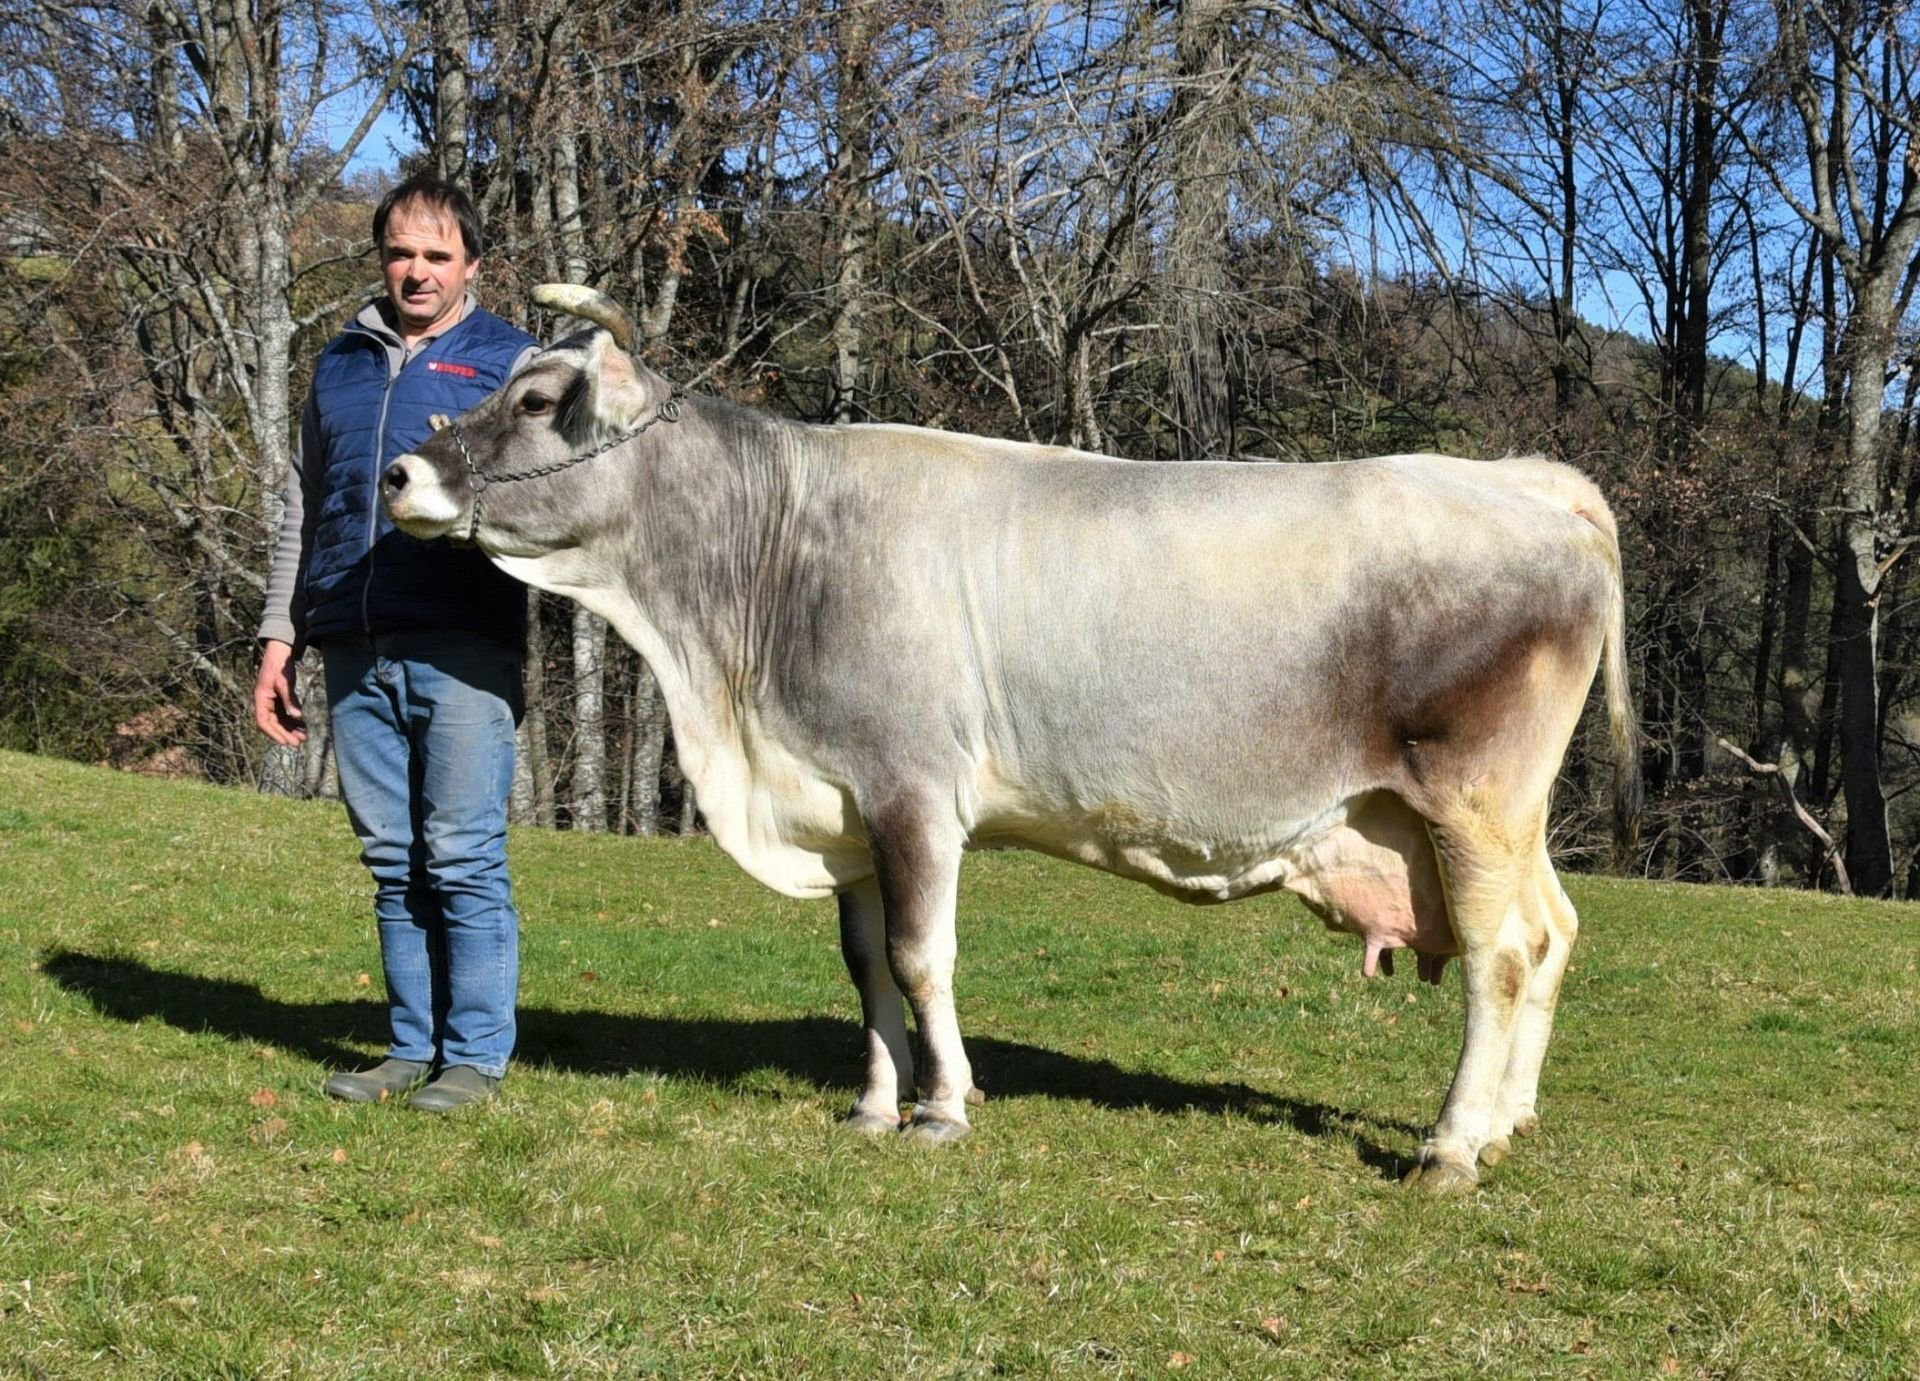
[{"x": 535, "y": 404}]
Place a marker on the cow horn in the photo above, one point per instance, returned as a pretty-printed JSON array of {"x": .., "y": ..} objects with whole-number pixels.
[{"x": 576, "y": 299}]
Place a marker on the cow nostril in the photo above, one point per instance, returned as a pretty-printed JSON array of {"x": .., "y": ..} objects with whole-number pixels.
[{"x": 396, "y": 478}]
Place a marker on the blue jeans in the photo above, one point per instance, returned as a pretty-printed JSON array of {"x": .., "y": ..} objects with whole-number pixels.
[{"x": 423, "y": 733}]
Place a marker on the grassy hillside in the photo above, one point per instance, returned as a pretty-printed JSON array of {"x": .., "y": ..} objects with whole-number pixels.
[{"x": 1187, "y": 1162}]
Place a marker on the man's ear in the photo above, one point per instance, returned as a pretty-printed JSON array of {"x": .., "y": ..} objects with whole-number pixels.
[{"x": 615, "y": 394}]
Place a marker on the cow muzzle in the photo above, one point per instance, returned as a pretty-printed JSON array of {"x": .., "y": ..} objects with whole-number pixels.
[{"x": 416, "y": 499}]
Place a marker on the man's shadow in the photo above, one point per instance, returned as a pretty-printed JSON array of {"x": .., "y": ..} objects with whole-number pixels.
[{"x": 824, "y": 1051}]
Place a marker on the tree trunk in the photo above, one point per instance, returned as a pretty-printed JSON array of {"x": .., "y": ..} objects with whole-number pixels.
[
  {"x": 452, "y": 45},
  {"x": 649, "y": 747},
  {"x": 1857, "y": 595},
  {"x": 849, "y": 203},
  {"x": 533, "y": 794},
  {"x": 1205, "y": 141},
  {"x": 589, "y": 803}
]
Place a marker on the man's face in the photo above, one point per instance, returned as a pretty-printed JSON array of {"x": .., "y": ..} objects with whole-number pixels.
[{"x": 427, "y": 269}]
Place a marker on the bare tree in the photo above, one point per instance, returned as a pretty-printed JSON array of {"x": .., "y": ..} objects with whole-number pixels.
[
  {"x": 1847, "y": 85},
  {"x": 181, "y": 225}
]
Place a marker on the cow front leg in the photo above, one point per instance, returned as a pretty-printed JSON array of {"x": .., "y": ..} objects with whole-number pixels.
[
  {"x": 916, "y": 855},
  {"x": 863, "y": 944},
  {"x": 1490, "y": 922}
]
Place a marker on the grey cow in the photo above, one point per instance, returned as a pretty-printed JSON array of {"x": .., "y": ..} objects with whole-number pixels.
[{"x": 883, "y": 644}]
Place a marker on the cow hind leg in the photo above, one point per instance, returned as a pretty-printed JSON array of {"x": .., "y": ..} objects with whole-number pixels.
[
  {"x": 883, "y": 1015},
  {"x": 916, "y": 855},
  {"x": 1552, "y": 940},
  {"x": 1494, "y": 922}
]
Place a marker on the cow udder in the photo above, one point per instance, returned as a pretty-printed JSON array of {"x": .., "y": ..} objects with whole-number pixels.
[{"x": 1375, "y": 875}]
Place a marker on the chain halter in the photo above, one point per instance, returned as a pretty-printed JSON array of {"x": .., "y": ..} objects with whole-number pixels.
[{"x": 667, "y": 411}]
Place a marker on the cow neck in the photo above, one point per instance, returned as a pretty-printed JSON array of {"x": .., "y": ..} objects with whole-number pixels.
[{"x": 734, "y": 534}]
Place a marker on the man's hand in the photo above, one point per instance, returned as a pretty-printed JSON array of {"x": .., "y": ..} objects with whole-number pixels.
[{"x": 276, "y": 701}]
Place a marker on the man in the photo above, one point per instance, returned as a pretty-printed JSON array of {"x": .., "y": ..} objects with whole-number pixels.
[{"x": 421, "y": 644}]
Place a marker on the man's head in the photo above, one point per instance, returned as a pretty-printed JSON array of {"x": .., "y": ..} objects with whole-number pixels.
[{"x": 428, "y": 237}]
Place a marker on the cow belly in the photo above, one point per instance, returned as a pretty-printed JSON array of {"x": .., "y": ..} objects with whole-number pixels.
[{"x": 1365, "y": 866}]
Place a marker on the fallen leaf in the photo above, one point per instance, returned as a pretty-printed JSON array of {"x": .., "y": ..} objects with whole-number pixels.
[
  {"x": 1306, "y": 1202},
  {"x": 492, "y": 1244},
  {"x": 363, "y": 980},
  {"x": 589, "y": 976},
  {"x": 264, "y": 1052},
  {"x": 1672, "y": 1365},
  {"x": 271, "y": 1130},
  {"x": 1180, "y": 1359},
  {"x": 339, "y": 1155},
  {"x": 264, "y": 1098},
  {"x": 1274, "y": 1326},
  {"x": 1219, "y": 1256}
]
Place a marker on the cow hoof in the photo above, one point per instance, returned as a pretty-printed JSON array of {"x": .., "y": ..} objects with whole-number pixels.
[
  {"x": 927, "y": 1130},
  {"x": 1442, "y": 1178},
  {"x": 1526, "y": 1126},
  {"x": 1495, "y": 1151},
  {"x": 870, "y": 1123}
]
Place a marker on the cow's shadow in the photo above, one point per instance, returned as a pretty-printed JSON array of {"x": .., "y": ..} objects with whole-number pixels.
[{"x": 824, "y": 1051}]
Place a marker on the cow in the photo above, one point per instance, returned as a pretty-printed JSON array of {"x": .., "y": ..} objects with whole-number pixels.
[{"x": 881, "y": 645}]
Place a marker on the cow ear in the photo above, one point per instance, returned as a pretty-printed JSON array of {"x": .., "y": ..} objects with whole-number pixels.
[{"x": 617, "y": 394}]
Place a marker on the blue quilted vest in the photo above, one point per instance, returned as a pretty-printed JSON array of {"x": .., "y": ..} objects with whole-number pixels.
[{"x": 363, "y": 574}]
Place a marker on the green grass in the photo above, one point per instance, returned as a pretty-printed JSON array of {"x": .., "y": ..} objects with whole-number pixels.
[{"x": 1186, "y": 1165}]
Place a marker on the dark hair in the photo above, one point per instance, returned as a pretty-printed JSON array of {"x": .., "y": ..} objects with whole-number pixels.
[{"x": 435, "y": 194}]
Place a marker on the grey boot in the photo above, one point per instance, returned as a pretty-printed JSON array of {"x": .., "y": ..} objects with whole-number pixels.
[
  {"x": 384, "y": 1081},
  {"x": 461, "y": 1086}
]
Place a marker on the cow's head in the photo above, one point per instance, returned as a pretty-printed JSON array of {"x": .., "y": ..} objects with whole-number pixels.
[{"x": 469, "y": 480}]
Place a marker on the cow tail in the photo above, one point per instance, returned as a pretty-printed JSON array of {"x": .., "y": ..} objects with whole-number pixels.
[{"x": 1623, "y": 728}]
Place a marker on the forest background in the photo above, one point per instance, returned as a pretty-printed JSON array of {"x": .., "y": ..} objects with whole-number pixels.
[{"x": 1674, "y": 242}]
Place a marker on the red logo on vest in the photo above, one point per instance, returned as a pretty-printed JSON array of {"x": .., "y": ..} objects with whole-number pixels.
[{"x": 465, "y": 371}]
